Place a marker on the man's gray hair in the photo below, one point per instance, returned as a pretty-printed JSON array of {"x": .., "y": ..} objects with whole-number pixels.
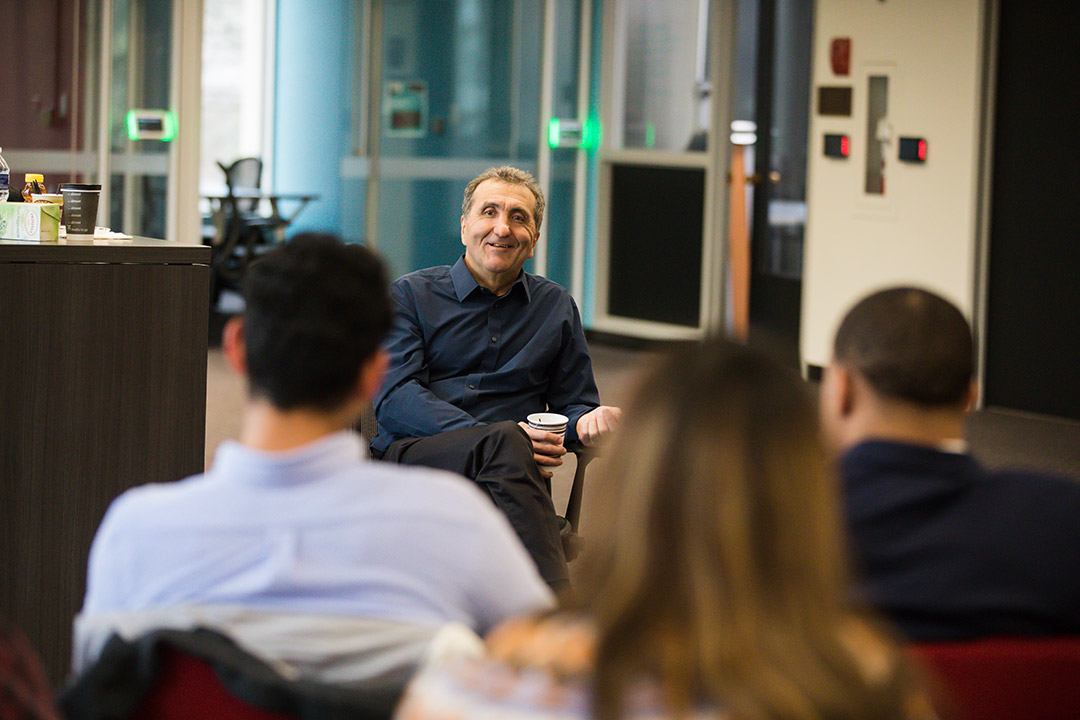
[{"x": 510, "y": 176}]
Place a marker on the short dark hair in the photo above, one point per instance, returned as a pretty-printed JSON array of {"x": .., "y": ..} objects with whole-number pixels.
[
  {"x": 316, "y": 311},
  {"x": 910, "y": 345}
]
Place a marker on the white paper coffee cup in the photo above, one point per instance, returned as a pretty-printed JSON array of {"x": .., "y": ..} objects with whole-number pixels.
[{"x": 548, "y": 422}]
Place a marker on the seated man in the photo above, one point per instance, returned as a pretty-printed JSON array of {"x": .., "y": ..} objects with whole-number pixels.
[
  {"x": 945, "y": 547},
  {"x": 475, "y": 348},
  {"x": 293, "y": 520}
]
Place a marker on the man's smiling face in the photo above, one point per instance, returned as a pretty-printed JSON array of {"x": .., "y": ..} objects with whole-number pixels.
[{"x": 499, "y": 233}]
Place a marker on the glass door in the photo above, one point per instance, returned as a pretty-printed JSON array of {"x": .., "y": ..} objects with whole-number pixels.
[
  {"x": 662, "y": 189},
  {"x": 50, "y": 102},
  {"x": 459, "y": 91},
  {"x": 67, "y": 110},
  {"x": 444, "y": 91},
  {"x": 140, "y": 59}
]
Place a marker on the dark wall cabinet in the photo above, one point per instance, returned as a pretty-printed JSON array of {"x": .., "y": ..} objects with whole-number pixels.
[{"x": 102, "y": 387}]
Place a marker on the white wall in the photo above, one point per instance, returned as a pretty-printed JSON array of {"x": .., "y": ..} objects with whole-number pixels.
[{"x": 923, "y": 229}]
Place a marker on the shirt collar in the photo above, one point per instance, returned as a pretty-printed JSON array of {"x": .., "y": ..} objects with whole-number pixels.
[
  {"x": 326, "y": 455},
  {"x": 465, "y": 283},
  {"x": 870, "y": 458}
]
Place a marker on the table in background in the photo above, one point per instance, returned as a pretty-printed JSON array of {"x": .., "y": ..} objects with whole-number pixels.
[{"x": 103, "y": 387}]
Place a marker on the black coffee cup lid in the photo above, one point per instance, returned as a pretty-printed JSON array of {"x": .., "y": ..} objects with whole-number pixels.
[{"x": 79, "y": 186}]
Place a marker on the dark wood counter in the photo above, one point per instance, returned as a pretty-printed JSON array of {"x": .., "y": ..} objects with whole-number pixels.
[
  {"x": 103, "y": 368},
  {"x": 137, "y": 250}
]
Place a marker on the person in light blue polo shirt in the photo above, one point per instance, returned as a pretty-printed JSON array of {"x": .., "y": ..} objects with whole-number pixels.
[{"x": 294, "y": 517}]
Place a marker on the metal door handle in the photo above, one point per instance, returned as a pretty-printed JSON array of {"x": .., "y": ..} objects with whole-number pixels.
[{"x": 755, "y": 179}]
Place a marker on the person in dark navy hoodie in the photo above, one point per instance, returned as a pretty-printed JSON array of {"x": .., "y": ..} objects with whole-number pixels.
[{"x": 946, "y": 547}]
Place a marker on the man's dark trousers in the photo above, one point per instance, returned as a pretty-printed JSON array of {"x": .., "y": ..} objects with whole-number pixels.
[{"x": 499, "y": 458}]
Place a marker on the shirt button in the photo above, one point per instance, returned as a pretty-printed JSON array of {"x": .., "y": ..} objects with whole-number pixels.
[
  {"x": 494, "y": 338},
  {"x": 472, "y": 387}
]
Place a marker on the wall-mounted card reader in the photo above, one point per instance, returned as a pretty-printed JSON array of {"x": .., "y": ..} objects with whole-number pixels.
[
  {"x": 913, "y": 149},
  {"x": 565, "y": 133},
  {"x": 572, "y": 133},
  {"x": 837, "y": 146},
  {"x": 151, "y": 125}
]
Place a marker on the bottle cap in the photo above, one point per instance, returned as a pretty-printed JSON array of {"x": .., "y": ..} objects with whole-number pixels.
[{"x": 32, "y": 177}]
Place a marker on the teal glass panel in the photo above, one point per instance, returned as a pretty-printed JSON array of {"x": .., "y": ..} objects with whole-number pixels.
[{"x": 460, "y": 92}]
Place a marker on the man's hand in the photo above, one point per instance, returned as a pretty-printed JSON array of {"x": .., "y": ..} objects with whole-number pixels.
[
  {"x": 547, "y": 448},
  {"x": 595, "y": 425}
]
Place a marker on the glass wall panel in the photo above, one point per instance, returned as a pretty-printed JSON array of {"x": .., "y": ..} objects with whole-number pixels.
[
  {"x": 661, "y": 69},
  {"x": 233, "y": 80},
  {"x": 48, "y": 107},
  {"x": 141, "y": 55},
  {"x": 560, "y": 215},
  {"x": 459, "y": 92}
]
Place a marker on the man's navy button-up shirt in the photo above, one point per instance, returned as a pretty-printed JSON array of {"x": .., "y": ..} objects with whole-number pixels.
[{"x": 462, "y": 356}]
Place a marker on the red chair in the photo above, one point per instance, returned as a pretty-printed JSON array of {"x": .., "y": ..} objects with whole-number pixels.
[
  {"x": 1014, "y": 678},
  {"x": 200, "y": 673},
  {"x": 187, "y": 688}
]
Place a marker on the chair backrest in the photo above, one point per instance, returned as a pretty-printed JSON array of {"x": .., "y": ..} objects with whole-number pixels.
[
  {"x": 1015, "y": 678},
  {"x": 244, "y": 176},
  {"x": 187, "y": 687},
  {"x": 368, "y": 424},
  {"x": 201, "y": 673}
]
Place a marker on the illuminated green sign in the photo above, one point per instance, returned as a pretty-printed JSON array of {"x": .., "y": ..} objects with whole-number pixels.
[
  {"x": 563, "y": 133},
  {"x": 151, "y": 125}
]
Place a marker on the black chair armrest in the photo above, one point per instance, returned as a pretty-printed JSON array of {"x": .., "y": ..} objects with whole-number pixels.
[{"x": 585, "y": 456}]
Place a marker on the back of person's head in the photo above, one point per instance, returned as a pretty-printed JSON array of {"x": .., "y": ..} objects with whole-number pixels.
[
  {"x": 316, "y": 311},
  {"x": 511, "y": 176},
  {"x": 909, "y": 345},
  {"x": 719, "y": 569}
]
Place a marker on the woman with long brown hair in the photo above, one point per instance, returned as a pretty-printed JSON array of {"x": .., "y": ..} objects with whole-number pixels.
[{"x": 716, "y": 584}]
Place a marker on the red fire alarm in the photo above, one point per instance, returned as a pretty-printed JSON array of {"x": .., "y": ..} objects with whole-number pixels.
[{"x": 840, "y": 55}]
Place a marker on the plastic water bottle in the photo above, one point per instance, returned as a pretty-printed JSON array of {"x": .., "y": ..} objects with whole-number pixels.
[{"x": 5, "y": 173}]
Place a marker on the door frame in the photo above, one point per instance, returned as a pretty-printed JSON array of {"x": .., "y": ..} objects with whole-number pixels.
[{"x": 721, "y": 16}]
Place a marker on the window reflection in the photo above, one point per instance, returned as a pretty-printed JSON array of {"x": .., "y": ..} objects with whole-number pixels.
[{"x": 662, "y": 97}]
